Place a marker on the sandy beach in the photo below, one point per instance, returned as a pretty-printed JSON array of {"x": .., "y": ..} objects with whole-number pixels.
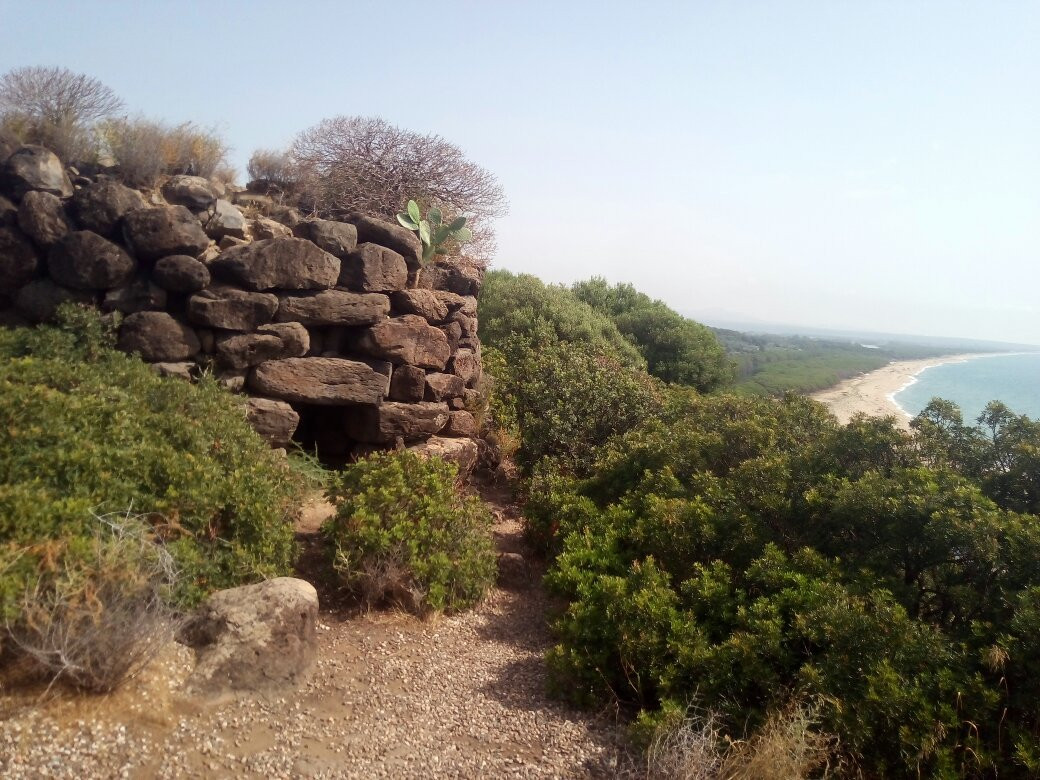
[{"x": 872, "y": 393}]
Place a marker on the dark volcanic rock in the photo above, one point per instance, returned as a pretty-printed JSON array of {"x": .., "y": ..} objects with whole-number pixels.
[
  {"x": 101, "y": 206},
  {"x": 408, "y": 339},
  {"x": 139, "y": 295},
  {"x": 276, "y": 421},
  {"x": 85, "y": 261},
  {"x": 222, "y": 220},
  {"x": 158, "y": 337},
  {"x": 391, "y": 420},
  {"x": 39, "y": 300},
  {"x": 321, "y": 381},
  {"x": 407, "y": 383},
  {"x": 373, "y": 268},
  {"x": 231, "y": 309},
  {"x": 41, "y": 216},
  {"x": 336, "y": 238},
  {"x": 278, "y": 264},
  {"x": 194, "y": 192},
  {"x": 18, "y": 259},
  {"x": 34, "y": 168},
  {"x": 167, "y": 230},
  {"x": 441, "y": 387},
  {"x": 403, "y": 241},
  {"x": 181, "y": 273},
  {"x": 334, "y": 307}
]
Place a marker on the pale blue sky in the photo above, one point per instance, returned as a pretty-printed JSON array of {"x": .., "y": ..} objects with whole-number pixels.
[{"x": 862, "y": 164}]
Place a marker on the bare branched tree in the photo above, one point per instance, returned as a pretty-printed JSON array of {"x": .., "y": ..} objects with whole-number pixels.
[
  {"x": 56, "y": 95},
  {"x": 56, "y": 108},
  {"x": 365, "y": 164}
]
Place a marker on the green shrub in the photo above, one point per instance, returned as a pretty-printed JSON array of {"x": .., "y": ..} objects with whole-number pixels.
[
  {"x": 85, "y": 428},
  {"x": 676, "y": 349},
  {"x": 567, "y": 400},
  {"x": 519, "y": 310},
  {"x": 405, "y": 533},
  {"x": 747, "y": 553}
]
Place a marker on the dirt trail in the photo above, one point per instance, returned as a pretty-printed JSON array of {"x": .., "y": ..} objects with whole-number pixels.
[{"x": 391, "y": 696}]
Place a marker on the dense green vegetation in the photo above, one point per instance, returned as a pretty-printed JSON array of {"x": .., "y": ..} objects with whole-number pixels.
[
  {"x": 748, "y": 556},
  {"x": 676, "y": 349},
  {"x": 521, "y": 306},
  {"x": 404, "y": 533},
  {"x": 87, "y": 430},
  {"x": 770, "y": 365}
]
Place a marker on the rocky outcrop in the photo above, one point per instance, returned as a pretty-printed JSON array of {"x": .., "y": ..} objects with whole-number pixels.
[
  {"x": 319, "y": 321},
  {"x": 254, "y": 639}
]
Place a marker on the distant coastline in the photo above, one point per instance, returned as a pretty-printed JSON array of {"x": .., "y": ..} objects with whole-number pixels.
[{"x": 874, "y": 393}]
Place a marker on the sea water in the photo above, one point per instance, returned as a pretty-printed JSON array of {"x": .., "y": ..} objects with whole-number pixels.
[{"x": 973, "y": 383}]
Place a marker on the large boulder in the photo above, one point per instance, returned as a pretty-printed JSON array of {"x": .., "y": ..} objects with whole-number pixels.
[
  {"x": 157, "y": 337},
  {"x": 137, "y": 295},
  {"x": 453, "y": 277},
  {"x": 373, "y": 268},
  {"x": 85, "y": 261},
  {"x": 275, "y": 421},
  {"x": 254, "y": 639},
  {"x": 264, "y": 227},
  {"x": 334, "y": 307},
  {"x": 18, "y": 259},
  {"x": 39, "y": 300},
  {"x": 231, "y": 309},
  {"x": 462, "y": 452},
  {"x": 270, "y": 342},
  {"x": 8, "y": 213},
  {"x": 395, "y": 237},
  {"x": 320, "y": 380},
  {"x": 296, "y": 339},
  {"x": 461, "y": 423},
  {"x": 408, "y": 339},
  {"x": 162, "y": 231},
  {"x": 101, "y": 206},
  {"x": 441, "y": 387},
  {"x": 34, "y": 168},
  {"x": 278, "y": 264},
  {"x": 41, "y": 216},
  {"x": 222, "y": 220},
  {"x": 181, "y": 273},
  {"x": 391, "y": 420},
  {"x": 336, "y": 238},
  {"x": 465, "y": 364},
  {"x": 194, "y": 192},
  {"x": 407, "y": 383}
]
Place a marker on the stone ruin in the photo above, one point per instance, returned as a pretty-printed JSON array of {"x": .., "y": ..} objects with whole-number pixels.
[{"x": 338, "y": 337}]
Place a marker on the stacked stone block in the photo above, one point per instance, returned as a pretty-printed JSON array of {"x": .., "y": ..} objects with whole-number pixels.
[{"x": 331, "y": 328}]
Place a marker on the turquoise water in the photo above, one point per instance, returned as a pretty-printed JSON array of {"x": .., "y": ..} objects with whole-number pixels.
[{"x": 1013, "y": 379}]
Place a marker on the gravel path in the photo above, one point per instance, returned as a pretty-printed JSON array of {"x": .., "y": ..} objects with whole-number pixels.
[{"x": 391, "y": 696}]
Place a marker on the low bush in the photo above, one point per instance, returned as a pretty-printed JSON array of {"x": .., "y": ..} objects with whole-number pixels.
[
  {"x": 145, "y": 149},
  {"x": 97, "y": 609},
  {"x": 749, "y": 552},
  {"x": 405, "y": 533},
  {"x": 85, "y": 428}
]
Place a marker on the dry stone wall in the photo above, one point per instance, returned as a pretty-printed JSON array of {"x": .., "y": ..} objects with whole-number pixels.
[{"x": 329, "y": 327}]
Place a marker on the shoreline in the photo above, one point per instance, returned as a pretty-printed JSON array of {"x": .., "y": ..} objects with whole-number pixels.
[{"x": 873, "y": 393}]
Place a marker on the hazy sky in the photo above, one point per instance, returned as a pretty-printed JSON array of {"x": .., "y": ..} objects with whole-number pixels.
[{"x": 860, "y": 164}]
